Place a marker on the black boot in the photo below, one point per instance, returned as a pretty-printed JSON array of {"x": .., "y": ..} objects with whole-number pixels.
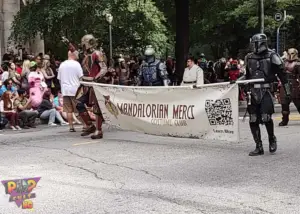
[
  {"x": 272, "y": 144},
  {"x": 272, "y": 139},
  {"x": 285, "y": 118},
  {"x": 255, "y": 130},
  {"x": 259, "y": 150}
]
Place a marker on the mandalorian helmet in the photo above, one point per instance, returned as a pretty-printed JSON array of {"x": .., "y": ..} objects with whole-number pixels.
[
  {"x": 149, "y": 54},
  {"x": 292, "y": 54},
  {"x": 259, "y": 43},
  {"x": 223, "y": 60},
  {"x": 88, "y": 42}
]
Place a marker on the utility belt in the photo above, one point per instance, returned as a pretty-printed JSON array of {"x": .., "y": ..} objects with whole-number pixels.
[
  {"x": 271, "y": 86},
  {"x": 263, "y": 85},
  {"x": 291, "y": 76},
  {"x": 193, "y": 82}
]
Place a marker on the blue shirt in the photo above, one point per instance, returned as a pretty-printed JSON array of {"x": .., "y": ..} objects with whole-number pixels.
[
  {"x": 4, "y": 89},
  {"x": 55, "y": 101}
]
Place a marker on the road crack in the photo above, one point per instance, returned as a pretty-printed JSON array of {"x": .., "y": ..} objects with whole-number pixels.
[
  {"x": 96, "y": 175},
  {"x": 87, "y": 170},
  {"x": 91, "y": 159},
  {"x": 113, "y": 164}
]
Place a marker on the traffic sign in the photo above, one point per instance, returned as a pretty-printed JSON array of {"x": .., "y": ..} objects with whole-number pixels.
[{"x": 278, "y": 17}]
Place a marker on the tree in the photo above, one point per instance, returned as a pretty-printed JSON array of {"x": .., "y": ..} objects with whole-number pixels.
[
  {"x": 135, "y": 25},
  {"x": 182, "y": 36}
]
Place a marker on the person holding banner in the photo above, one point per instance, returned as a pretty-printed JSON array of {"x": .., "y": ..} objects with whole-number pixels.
[
  {"x": 152, "y": 72},
  {"x": 263, "y": 63},
  {"x": 94, "y": 69},
  {"x": 193, "y": 74}
]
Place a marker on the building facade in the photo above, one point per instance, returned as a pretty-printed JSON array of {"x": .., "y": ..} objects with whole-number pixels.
[{"x": 8, "y": 9}]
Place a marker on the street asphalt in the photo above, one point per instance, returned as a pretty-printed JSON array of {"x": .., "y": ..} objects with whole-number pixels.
[{"x": 134, "y": 173}]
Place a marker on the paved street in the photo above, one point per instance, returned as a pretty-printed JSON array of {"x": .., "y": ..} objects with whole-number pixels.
[{"x": 136, "y": 173}]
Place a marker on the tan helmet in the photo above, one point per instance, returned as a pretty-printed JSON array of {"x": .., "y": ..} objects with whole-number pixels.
[
  {"x": 89, "y": 41},
  {"x": 292, "y": 54}
]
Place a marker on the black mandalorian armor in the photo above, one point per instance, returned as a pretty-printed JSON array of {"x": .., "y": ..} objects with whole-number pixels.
[{"x": 263, "y": 63}]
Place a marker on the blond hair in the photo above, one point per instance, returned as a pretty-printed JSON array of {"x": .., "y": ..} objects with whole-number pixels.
[{"x": 26, "y": 67}]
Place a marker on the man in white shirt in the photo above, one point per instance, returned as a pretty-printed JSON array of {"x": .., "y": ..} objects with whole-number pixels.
[
  {"x": 193, "y": 74},
  {"x": 69, "y": 74}
]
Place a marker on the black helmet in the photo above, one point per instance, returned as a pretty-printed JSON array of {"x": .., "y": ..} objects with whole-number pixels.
[{"x": 259, "y": 43}]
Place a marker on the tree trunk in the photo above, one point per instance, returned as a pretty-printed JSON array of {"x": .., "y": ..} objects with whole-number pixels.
[{"x": 182, "y": 37}]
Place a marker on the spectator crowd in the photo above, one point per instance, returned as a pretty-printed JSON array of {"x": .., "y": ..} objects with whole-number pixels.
[{"x": 30, "y": 88}]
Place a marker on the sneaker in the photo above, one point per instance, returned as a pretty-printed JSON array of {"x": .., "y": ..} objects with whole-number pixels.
[
  {"x": 13, "y": 128},
  {"x": 18, "y": 128},
  {"x": 64, "y": 124},
  {"x": 52, "y": 124}
]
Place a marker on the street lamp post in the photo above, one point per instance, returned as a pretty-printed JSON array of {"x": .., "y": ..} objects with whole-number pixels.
[
  {"x": 109, "y": 19},
  {"x": 262, "y": 16}
]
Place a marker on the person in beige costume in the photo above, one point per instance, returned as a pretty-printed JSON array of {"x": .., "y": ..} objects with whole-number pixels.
[{"x": 193, "y": 74}]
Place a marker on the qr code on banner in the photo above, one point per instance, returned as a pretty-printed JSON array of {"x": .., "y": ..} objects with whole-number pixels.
[{"x": 219, "y": 112}]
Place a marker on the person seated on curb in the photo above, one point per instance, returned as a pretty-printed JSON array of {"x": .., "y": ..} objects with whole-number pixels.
[
  {"x": 23, "y": 107},
  {"x": 3, "y": 120},
  {"x": 7, "y": 86},
  {"x": 6, "y": 107},
  {"x": 47, "y": 111}
]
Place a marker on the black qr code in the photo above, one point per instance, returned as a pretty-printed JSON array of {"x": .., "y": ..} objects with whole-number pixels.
[{"x": 219, "y": 112}]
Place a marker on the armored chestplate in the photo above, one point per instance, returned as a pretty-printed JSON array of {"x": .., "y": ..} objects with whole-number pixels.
[
  {"x": 259, "y": 67},
  {"x": 150, "y": 73},
  {"x": 290, "y": 68},
  {"x": 90, "y": 64}
]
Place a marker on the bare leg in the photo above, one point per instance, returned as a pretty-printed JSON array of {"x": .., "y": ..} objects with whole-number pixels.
[
  {"x": 98, "y": 133},
  {"x": 70, "y": 120},
  {"x": 76, "y": 120}
]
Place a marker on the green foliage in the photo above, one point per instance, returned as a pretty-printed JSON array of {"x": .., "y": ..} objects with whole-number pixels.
[
  {"x": 222, "y": 26},
  {"x": 135, "y": 24}
]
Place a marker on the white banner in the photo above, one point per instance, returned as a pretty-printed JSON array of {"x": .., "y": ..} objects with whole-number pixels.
[{"x": 210, "y": 112}]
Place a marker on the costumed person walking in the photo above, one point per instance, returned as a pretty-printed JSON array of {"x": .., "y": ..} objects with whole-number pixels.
[
  {"x": 152, "y": 72},
  {"x": 292, "y": 68},
  {"x": 263, "y": 63},
  {"x": 94, "y": 69}
]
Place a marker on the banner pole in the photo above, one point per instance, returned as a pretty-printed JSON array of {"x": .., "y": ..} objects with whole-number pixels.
[
  {"x": 228, "y": 83},
  {"x": 171, "y": 87}
]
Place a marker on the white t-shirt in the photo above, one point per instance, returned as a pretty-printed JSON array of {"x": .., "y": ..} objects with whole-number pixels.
[
  {"x": 1, "y": 106},
  {"x": 69, "y": 74},
  {"x": 4, "y": 76}
]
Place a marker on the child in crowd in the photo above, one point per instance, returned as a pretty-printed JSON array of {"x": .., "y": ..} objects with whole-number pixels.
[{"x": 58, "y": 103}]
